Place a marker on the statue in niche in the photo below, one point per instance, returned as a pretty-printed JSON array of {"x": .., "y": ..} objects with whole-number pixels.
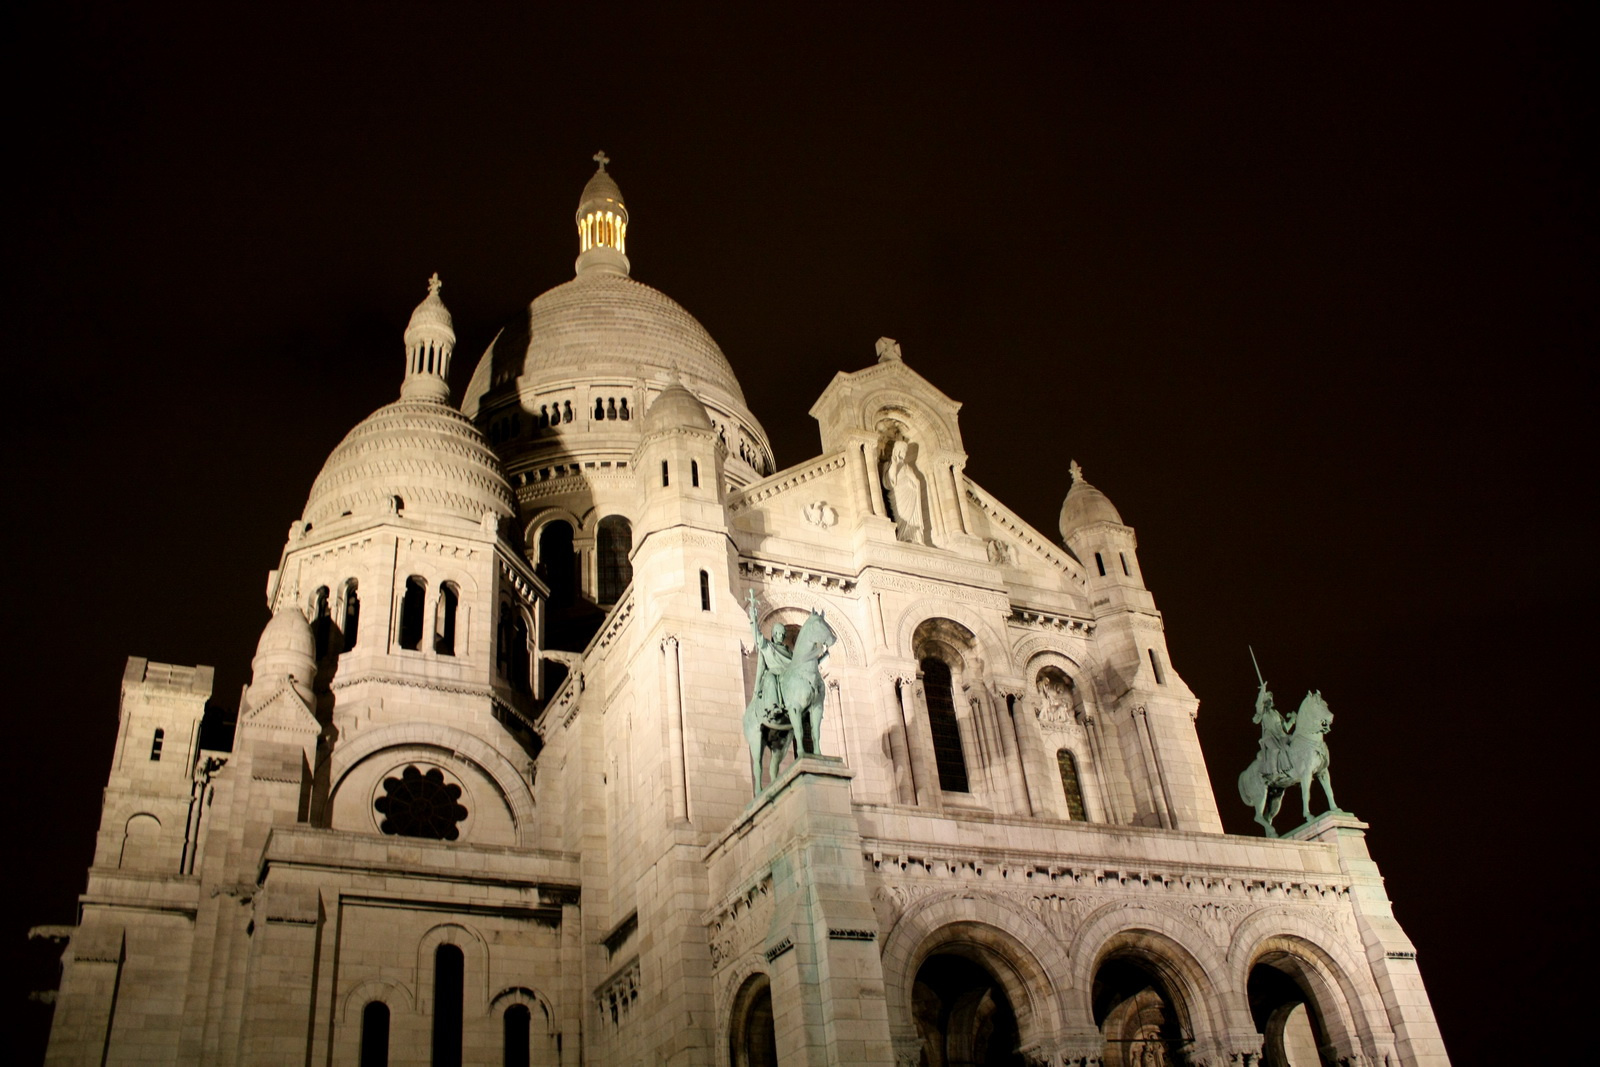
[
  {"x": 902, "y": 489},
  {"x": 1055, "y": 700},
  {"x": 1292, "y": 752},
  {"x": 786, "y": 706}
]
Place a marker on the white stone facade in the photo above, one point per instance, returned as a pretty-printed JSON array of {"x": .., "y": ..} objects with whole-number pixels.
[{"x": 489, "y": 799}]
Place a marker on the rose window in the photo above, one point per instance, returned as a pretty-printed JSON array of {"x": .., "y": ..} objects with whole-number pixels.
[{"x": 418, "y": 804}]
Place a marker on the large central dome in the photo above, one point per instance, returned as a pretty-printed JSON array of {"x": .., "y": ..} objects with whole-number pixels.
[
  {"x": 560, "y": 388},
  {"x": 602, "y": 323}
]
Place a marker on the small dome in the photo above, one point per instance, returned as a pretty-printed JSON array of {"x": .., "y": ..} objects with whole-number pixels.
[
  {"x": 675, "y": 407},
  {"x": 286, "y": 649},
  {"x": 420, "y": 455},
  {"x": 1084, "y": 505},
  {"x": 602, "y": 193},
  {"x": 431, "y": 319}
]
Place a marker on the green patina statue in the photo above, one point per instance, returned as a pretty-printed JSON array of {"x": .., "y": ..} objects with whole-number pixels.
[
  {"x": 1292, "y": 753},
  {"x": 789, "y": 693}
]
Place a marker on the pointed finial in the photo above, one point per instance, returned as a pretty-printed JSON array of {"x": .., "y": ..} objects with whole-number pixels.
[
  {"x": 434, "y": 284},
  {"x": 1077, "y": 472},
  {"x": 601, "y": 158}
]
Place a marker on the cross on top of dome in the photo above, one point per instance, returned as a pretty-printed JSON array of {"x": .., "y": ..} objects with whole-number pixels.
[{"x": 601, "y": 158}]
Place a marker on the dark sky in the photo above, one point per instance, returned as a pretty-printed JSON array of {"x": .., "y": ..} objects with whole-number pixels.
[{"x": 1308, "y": 290}]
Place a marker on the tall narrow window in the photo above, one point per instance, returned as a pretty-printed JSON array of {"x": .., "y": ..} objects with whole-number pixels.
[
  {"x": 375, "y": 1034},
  {"x": 664, "y": 479},
  {"x": 444, "y": 620},
  {"x": 352, "y": 617},
  {"x": 519, "y": 655},
  {"x": 556, "y": 564},
  {"x": 517, "y": 1020},
  {"x": 1100, "y": 563},
  {"x": 156, "y": 743},
  {"x": 694, "y": 473},
  {"x": 448, "y": 989},
  {"x": 411, "y": 613},
  {"x": 947, "y": 754},
  {"x": 502, "y": 641},
  {"x": 1155, "y": 665},
  {"x": 321, "y": 621},
  {"x": 705, "y": 591},
  {"x": 1070, "y": 785},
  {"x": 1124, "y": 557},
  {"x": 613, "y": 542}
]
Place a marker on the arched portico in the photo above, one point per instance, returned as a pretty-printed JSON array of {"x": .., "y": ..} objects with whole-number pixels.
[
  {"x": 1118, "y": 943},
  {"x": 1345, "y": 1008},
  {"x": 1018, "y": 952}
]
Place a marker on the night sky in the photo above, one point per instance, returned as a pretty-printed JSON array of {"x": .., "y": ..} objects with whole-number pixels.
[{"x": 1308, "y": 291}]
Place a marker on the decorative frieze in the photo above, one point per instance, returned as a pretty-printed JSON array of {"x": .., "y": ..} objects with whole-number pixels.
[
  {"x": 752, "y": 569},
  {"x": 1049, "y": 620},
  {"x": 616, "y": 1000},
  {"x": 782, "y": 483},
  {"x": 964, "y": 594},
  {"x": 741, "y": 921}
]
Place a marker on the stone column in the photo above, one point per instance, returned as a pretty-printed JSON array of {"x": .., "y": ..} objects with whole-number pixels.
[
  {"x": 919, "y": 739},
  {"x": 672, "y": 674}
]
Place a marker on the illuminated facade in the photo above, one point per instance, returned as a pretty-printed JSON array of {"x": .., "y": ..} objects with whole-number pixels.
[{"x": 489, "y": 800}]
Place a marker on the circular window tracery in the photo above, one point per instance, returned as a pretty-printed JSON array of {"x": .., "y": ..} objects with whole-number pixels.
[{"x": 420, "y": 804}]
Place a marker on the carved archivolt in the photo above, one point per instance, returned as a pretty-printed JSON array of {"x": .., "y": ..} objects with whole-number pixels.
[
  {"x": 991, "y": 647},
  {"x": 785, "y": 600},
  {"x": 1019, "y": 949},
  {"x": 1196, "y": 970}
]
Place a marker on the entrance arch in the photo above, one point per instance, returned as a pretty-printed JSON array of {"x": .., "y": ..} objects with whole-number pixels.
[
  {"x": 752, "y": 1036},
  {"x": 1009, "y": 954},
  {"x": 962, "y": 1014}
]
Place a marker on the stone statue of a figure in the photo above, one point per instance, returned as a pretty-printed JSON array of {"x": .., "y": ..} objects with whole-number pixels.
[{"x": 903, "y": 487}]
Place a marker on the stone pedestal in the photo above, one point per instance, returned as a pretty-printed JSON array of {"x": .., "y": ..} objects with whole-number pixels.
[
  {"x": 1389, "y": 951},
  {"x": 794, "y": 860}
]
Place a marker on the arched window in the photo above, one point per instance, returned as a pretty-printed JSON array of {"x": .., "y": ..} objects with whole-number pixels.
[
  {"x": 1124, "y": 557},
  {"x": 1070, "y": 785},
  {"x": 411, "y": 613},
  {"x": 352, "y": 616},
  {"x": 665, "y": 480},
  {"x": 947, "y": 754},
  {"x": 519, "y": 654},
  {"x": 694, "y": 473},
  {"x": 375, "y": 1034},
  {"x": 502, "y": 641},
  {"x": 1100, "y": 563},
  {"x": 321, "y": 621},
  {"x": 556, "y": 564},
  {"x": 752, "y": 1039},
  {"x": 599, "y": 409},
  {"x": 156, "y": 743},
  {"x": 448, "y": 990},
  {"x": 613, "y": 542},
  {"x": 444, "y": 620},
  {"x": 517, "y": 1021},
  {"x": 705, "y": 591}
]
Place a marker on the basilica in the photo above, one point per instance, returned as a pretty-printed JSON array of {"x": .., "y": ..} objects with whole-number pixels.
[{"x": 520, "y": 776}]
